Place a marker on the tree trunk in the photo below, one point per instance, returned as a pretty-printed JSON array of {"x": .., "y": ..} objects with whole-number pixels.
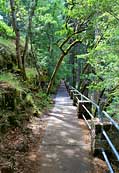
[
  {"x": 74, "y": 71},
  {"x": 64, "y": 53},
  {"x": 55, "y": 72},
  {"x": 28, "y": 35},
  {"x": 35, "y": 60},
  {"x": 99, "y": 100},
  {"x": 17, "y": 33}
]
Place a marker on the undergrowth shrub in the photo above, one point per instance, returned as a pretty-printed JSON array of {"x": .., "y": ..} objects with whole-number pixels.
[
  {"x": 27, "y": 103},
  {"x": 10, "y": 79},
  {"x": 43, "y": 100},
  {"x": 6, "y": 31}
]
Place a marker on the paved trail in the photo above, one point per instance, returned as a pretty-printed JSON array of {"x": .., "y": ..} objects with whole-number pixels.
[{"x": 66, "y": 144}]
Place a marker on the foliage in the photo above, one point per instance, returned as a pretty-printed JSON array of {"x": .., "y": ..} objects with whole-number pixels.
[
  {"x": 6, "y": 31},
  {"x": 48, "y": 23},
  {"x": 11, "y": 80},
  {"x": 31, "y": 73},
  {"x": 43, "y": 101},
  {"x": 8, "y": 45},
  {"x": 11, "y": 120},
  {"x": 105, "y": 58}
]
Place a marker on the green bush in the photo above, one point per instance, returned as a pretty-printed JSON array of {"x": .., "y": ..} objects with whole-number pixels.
[
  {"x": 42, "y": 100},
  {"x": 11, "y": 80},
  {"x": 6, "y": 31},
  {"x": 31, "y": 73}
]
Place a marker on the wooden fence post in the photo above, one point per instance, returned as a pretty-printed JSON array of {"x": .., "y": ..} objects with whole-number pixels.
[{"x": 81, "y": 110}]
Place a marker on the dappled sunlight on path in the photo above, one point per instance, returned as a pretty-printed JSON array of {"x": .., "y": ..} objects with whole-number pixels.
[{"x": 65, "y": 147}]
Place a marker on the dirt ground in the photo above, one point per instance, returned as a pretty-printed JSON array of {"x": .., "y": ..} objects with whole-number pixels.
[{"x": 19, "y": 148}]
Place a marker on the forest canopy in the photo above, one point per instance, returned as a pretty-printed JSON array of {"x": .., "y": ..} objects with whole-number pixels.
[{"x": 75, "y": 40}]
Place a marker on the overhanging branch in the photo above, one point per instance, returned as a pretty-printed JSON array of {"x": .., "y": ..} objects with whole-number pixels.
[
  {"x": 72, "y": 45},
  {"x": 70, "y": 36}
]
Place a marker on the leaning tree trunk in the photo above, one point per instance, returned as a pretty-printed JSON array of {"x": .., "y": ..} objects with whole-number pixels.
[
  {"x": 17, "y": 33},
  {"x": 64, "y": 53},
  {"x": 55, "y": 72}
]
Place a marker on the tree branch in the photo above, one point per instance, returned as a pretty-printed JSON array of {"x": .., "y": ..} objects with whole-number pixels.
[
  {"x": 112, "y": 14},
  {"x": 72, "y": 45},
  {"x": 70, "y": 36}
]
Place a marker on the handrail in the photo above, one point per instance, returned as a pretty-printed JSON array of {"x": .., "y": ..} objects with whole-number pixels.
[
  {"x": 111, "y": 120},
  {"x": 93, "y": 103},
  {"x": 88, "y": 111},
  {"x": 86, "y": 122},
  {"x": 110, "y": 144},
  {"x": 85, "y": 97},
  {"x": 102, "y": 112},
  {"x": 101, "y": 115},
  {"x": 107, "y": 161}
]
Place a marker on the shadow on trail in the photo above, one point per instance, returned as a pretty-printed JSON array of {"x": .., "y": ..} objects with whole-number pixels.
[{"x": 66, "y": 145}]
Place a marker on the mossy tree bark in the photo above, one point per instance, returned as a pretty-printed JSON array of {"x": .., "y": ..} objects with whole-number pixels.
[{"x": 17, "y": 33}]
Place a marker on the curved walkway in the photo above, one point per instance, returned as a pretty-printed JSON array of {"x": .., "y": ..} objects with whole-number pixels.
[{"x": 66, "y": 144}]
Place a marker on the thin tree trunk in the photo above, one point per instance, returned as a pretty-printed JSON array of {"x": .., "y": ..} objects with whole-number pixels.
[
  {"x": 73, "y": 69},
  {"x": 99, "y": 100},
  {"x": 28, "y": 35},
  {"x": 17, "y": 33},
  {"x": 35, "y": 60}
]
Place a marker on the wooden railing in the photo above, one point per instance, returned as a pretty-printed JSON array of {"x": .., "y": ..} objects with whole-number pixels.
[{"x": 102, "y": 121}]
